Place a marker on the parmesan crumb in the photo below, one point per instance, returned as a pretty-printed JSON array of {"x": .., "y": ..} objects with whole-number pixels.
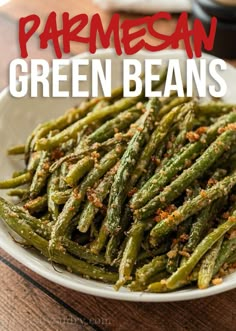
[{"x": 217, "y": 281}]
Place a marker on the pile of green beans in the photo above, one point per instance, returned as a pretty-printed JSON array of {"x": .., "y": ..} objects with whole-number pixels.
[{"x": 131, "y": 191}]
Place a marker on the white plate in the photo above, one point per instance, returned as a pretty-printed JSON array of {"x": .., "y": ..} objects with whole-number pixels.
[{"x": 17, "y": 119}]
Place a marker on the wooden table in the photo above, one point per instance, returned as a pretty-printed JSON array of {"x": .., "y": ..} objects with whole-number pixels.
[{"x": 29, "y": 302}]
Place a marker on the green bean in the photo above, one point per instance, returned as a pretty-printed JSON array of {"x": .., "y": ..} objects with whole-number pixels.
[
  {"x": 181, "y": 274},
  {"x": 41, "y": 175},
  {"x": 16, "y": 150},
  {"x": 82, "y": 252},
  {"x": 120, "y": 186},
  {"x": 201, "y": 225},
  {"x": 215, "y": 108},
  {"x": 232, "y": 258},
  {"x": 19, "y": 192},
  {"x": 170, "y": 106},
  {"x": 203, "y": 163},
  {"x": 152, "y": 165},
  {"x": 67, "y": 119},
  {"x": 91, "y": 207},
  {"x": 226, "y": 250},
  {"x": 78, "y": 170},
  {"x": 131, "y": 250},
  {"x": 115, "y": 239},
  {"x": 97, "y": 245},
  {"x": 34, "y": 160},
  {"x": 161, "y": 249},
  {"x": 119, "y": 123},
  {"x": 167, "y": 100},
  {"x": 160, "y": 287},
  {"x": 207, "y": 265},
  {"x": 36, "y": 205},
  {"x": 29, "y": 145},
  {"x": 60, "y": 198},
  {"x": 16, "y": 181},
  {"x": 72, "y": 130},
  {"x": 53, "y": 186},
  {"x": 184, "y": 127},
  {"x": 67, "y": 148},
  {"x": 137, "y": 286},
  {"x": 144, "y": 274},
  {"x": 191, "y": 207},
  {"x": 63, "y": 172},
  {"x": 18, "y": 173},
  {"x": 173, "y": 261},
  {"x": 130, "y": 253}
]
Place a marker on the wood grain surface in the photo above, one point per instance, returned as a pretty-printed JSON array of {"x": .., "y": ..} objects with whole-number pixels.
[{"x": 29, "y": 302}]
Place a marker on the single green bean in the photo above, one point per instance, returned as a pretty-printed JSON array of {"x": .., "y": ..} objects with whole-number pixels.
[
  {"x": 53, "y": 186},
  {"x": 228, "y": 246},
  {"x": 19, "y": 192},
  {"x": 41, "y": 175},
  {"x": 92, "y": 207},
  {"x": 78, "y": 170},
  {"x": 144, "y": 274},
  {"x": 36, "y": 205},
  {"x": 207, "y": 265},
  {"x": 16, "y": 181},
  {"x": 16, "y": 150},
  {"x": 60, "y": 198}
]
